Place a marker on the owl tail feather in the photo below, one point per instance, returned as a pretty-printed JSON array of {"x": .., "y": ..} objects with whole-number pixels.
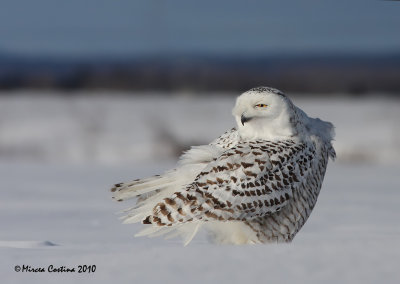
[
  {"x": 191, "y": 235},
  {"x": 137, "y": 188},
  {"x": 186, "y": 231}
]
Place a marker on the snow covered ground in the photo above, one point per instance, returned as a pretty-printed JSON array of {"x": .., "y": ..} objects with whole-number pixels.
[
  {"x": 119, "y": 129},
  {"x": 59, "y": 156}
]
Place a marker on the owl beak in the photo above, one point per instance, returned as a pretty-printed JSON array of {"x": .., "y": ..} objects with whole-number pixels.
[{"x": 244, "y": 119}]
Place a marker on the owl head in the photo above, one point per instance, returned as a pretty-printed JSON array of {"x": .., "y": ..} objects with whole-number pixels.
[{"x": 265, "y": 113}]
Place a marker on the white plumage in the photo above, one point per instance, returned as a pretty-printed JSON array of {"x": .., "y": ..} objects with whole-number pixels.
[{"x": 257, "y": 183}]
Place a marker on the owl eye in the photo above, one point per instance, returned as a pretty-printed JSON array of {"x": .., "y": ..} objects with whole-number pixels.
[{"x": 261, "y": 105}]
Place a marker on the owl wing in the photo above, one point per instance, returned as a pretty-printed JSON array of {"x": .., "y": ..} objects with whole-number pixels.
[{"x": 252, "y": 179}]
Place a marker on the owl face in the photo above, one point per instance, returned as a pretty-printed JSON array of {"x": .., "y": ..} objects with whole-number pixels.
[{"x": 263, "y": 115}]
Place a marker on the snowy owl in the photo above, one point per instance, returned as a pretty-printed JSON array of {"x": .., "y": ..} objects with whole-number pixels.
[{"x": 256, "y": 183}]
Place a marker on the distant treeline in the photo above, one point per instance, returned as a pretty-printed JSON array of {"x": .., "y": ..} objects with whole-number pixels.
[{"x": 354, "y": 74}]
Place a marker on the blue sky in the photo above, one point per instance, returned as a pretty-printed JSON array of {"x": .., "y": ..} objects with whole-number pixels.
[{"x": 154, "y": 27}]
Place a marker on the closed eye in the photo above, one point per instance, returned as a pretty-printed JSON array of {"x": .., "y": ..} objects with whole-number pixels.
[{"x": 261, "y": 105}]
